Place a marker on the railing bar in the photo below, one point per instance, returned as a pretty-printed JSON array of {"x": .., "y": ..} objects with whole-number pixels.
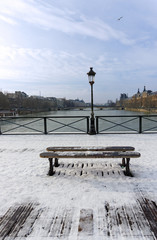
[
  {"x": 2, "y": 118},
  {"x": 72, "y": 116},
  {"x": 82, "y": 116},
  {"x": 97, "y": 125},
  {"x": 22, "y": 133},
  {"x": 128, "y": 116},
  {"x": 87, "y": 119},
  {"x": 119, "y": 132},
  {"x": 131, "y": 130}
]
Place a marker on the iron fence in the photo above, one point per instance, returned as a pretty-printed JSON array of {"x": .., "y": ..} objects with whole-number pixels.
[
  {"x": 126, "y": 124},
  {"x": 44, "y": 125},
  {"x": 78, "y": 124}
]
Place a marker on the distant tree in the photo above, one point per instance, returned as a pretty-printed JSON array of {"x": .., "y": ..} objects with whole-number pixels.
[
  {"x": 4, "y": 102},
  {"x": 36, "y": 104}
]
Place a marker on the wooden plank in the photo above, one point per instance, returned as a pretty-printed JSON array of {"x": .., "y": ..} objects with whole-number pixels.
[
  {"x": 142, "y": 222},
  {"x": 44, "y": 223},
  {"x": 30, "y": 223},
  {"x": 86, "y": 222},
  {"x": 13, "y": 220},
  {"x": 149, "y": 208},
  {"x": 125, "y": 222},
  {"x": 90, "y": 155},
  {"x": 53, "y": 224},
  {"x": 92, "y": 148}
]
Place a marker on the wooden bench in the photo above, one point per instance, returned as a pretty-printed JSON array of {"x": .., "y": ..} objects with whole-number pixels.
[
  {"x": 95, "y": 149},
  {"x": 124, "y": 152}
]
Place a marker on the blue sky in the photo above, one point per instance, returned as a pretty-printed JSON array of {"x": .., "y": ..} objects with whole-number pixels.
[{"x": 48, "y": 46}]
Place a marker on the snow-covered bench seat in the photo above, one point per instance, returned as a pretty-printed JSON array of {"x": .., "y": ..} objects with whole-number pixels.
[
  {"x": 91, "y": 148},
  {"x": 89, "y": 152}
]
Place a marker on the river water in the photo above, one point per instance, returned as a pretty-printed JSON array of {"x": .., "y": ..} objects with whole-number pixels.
[
  {"x": 87, "y": 112},
  {"x": 76, "y": 121}
]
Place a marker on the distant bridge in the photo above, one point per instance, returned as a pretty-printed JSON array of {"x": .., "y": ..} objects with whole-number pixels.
[{"x": 96, "y": 107}]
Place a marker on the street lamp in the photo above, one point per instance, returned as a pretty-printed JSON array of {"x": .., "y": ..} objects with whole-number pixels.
[{"x": 91, "y": 76}]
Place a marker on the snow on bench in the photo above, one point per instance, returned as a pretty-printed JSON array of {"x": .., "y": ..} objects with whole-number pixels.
[
  {"x": 109, "y": 148},
  {"x": 91, "y": 148},
  {"x": 88, "y": 152}
]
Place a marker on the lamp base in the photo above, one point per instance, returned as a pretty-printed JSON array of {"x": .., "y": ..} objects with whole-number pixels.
[{"x": 92, "y": 127}]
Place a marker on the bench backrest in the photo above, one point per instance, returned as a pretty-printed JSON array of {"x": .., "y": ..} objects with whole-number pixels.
[{"x": 81, "y": 149}]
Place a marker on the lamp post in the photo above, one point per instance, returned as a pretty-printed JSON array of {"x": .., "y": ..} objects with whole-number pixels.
[{"x": 91, "y": 76}]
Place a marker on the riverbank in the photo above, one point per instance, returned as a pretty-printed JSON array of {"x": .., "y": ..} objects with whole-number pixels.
[
  {"x": 74, "y": 206},
  {"x": 141, "y": 110}
]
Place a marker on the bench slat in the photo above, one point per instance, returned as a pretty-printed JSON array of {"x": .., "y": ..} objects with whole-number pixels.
[
  {"x": 109, "y": 148},
  {"x": 90, "y": 155}
]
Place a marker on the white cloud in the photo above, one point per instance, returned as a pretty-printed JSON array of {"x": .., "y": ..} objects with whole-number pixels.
[
  {"x": 56, "y": 45},
  {"x": 38, "y": 65},
  {"x": 7, "y": 20},
  {"x": 49, "y": 17},
  {"x": 25, "y": 64}
]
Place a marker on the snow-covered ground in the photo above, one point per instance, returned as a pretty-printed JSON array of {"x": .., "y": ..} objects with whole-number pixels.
[{"x": 24, "y": 179}]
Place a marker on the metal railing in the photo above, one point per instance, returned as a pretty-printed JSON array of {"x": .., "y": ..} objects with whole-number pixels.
[
  {"x": 78, "y": 124},
  {"x": 44, "y": 125},
  {"x": 126, "y": 124}
]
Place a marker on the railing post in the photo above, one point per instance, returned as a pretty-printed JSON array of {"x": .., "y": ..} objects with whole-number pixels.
[
  {"x": 87, "y": 125},
  {"x": 140, "y": 124},
  {"x": 45, "y": 125},
  {"x": 97, "y": 124}
]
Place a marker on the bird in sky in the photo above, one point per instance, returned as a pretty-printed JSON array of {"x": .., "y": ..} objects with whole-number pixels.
[{"x": 119, "y": 18}]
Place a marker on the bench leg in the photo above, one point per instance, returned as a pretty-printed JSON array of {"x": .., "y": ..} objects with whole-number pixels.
[
  {"x": 56, "y": 164},
  {"x": 127, "y": 167},
  {"x": 51, "y": 172},
  {"x": 123, "y": 162}
]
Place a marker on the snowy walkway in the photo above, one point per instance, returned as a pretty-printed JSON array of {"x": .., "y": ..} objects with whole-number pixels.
[{"x": 85, "y": 199}]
